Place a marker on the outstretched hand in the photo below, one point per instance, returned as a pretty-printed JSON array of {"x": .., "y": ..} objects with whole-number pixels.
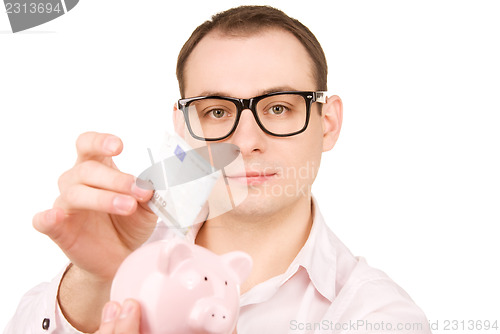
[
  {"x": 99, "y": 218},
  {"x": 100, "y": 215}
]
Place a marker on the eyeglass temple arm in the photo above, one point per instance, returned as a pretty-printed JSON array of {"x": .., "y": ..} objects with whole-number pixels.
[{"x": 320, "y": 97}]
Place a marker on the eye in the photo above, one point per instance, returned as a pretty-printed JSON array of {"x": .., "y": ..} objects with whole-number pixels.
[
  {"x": 206, "y": 278},
  {"x": 225, "y": 282},
  {"x": 217, "y": 113},
  {"x": 277, "y": 110}
]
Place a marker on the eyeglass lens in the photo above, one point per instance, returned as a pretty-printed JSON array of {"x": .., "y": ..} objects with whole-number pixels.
[{"x": 279, "y": 114}]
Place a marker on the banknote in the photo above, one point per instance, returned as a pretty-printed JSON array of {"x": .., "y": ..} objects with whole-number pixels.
[{"x": 184, "y": 178}]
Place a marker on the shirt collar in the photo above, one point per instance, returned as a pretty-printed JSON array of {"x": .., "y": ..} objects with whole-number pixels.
[{"x": 318, "y": 256}]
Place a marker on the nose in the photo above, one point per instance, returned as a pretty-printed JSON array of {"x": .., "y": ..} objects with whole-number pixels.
[{"x": 248, "y": 136}]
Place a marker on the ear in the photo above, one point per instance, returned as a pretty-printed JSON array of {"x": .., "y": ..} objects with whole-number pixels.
[
  {"x": 179, "y": 124},
  {"x": 240, "y": 263},
  {"x": 332, "y": 121},
  {"x": 172, "y": 257}
]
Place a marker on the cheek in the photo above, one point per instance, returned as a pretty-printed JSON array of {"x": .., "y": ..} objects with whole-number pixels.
[
  {"x": 302, "y": 161},
  {"x": 307, "y": 151},
  {"x": 310, "y": 142},
  {"x": 194, "y": 143}
]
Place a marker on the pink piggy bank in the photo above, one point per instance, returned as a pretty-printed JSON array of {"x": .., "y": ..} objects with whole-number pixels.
[{"x": 182, "y": 287}]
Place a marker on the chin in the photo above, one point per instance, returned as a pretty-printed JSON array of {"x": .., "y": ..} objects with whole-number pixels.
[
  {"x": 259, "y": 204},
  {"x": 250, "y": 202}
]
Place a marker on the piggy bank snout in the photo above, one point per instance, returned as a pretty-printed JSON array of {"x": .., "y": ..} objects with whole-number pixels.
[
  {"x": 218, "y": 320},
  {"x": 213, "y": 317}
]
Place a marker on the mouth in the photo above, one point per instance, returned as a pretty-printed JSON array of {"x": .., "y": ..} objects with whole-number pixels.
[{"x": 253, "y": 177}]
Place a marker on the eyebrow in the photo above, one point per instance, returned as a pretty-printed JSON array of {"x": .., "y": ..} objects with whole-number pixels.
[{"x": 261, "y": 92}]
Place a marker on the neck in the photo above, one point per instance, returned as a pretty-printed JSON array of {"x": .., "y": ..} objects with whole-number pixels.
[{"x": 273, "y": 241}]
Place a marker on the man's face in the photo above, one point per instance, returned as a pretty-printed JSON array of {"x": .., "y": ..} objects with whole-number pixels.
[{"x": 279, "y": 170}]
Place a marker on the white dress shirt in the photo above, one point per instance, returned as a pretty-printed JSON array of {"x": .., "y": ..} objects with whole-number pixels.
[{"x": 324, "y": 290}]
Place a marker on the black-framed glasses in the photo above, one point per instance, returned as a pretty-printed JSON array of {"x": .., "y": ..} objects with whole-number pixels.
[{"x": 281, "y": 114}]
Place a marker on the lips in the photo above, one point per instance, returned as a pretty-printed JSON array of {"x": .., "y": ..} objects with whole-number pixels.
[{"x": 253, "y": 177}]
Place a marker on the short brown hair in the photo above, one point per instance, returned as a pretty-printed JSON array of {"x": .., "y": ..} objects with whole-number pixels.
[{"x": 245, "y": 20}]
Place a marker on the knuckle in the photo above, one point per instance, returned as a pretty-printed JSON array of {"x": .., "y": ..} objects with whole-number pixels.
[
  {"x": 59, "y": 202},
  {"x": 62, "y": 181},
  {"x": 122, "y": 181},
  {"x": 84, "y": 169},
  {"x": 87, "y": 142},
  {"x": 83, "y": 138},
  {"x": 70, "y": 195},
  {"x": 36, "y": 220}
]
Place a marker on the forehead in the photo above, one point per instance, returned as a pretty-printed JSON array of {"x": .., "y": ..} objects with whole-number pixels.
[{"x": 246, "y": 66}]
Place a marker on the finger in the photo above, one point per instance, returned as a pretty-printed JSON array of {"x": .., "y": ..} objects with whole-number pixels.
[
  {"x": 110, "y": 313},
  {"x": 98, "y": 175},
  {"x": 82, "y": 197},
  {"x": 94, "y": 145},
  {"x": 48, "y": 221},
  {"x": 129, "y": 319}
]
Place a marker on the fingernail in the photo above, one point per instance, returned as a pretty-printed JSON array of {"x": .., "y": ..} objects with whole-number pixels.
[
  {"x": 111, "y": 144},
  {"x": 139, "y": 192},
  {"x": 123, "y": 203},
  {"x": 110, "y": 312},
  {"x": 128, "y": 307}
]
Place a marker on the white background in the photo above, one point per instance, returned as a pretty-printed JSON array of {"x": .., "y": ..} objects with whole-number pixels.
[{"x": 413, "y": 184}]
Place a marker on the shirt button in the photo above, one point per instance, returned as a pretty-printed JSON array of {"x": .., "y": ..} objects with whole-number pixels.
[{"x": 46, "y": 323}]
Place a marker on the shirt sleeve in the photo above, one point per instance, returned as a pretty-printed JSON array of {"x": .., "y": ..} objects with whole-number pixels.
[
  {"x": 381, "y": 306},
  {"x": 39, "y": 312},
  {"x": 371, "y": 302}
]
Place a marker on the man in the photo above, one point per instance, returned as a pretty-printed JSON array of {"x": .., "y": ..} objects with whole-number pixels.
[{"x": 255, "y": 78}]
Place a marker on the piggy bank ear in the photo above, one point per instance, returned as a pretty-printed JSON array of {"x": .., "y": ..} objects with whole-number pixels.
[
  {"x": 172, "y": 257},
  {"x": 240, "y": 263}
]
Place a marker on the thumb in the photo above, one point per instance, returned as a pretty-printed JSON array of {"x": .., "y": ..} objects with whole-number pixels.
[{"x": 49, "y": 222}]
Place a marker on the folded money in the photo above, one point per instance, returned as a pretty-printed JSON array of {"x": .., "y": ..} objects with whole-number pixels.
[{"x": 184, "y": 178}]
